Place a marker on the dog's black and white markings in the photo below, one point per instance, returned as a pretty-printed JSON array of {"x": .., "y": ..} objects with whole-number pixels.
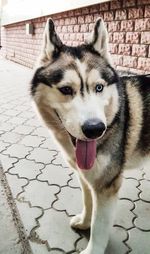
[{"x": 76, "y": 87}]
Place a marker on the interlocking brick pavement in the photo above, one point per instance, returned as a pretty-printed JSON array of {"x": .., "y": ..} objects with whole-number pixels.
[{"x": 47, "y": 192}]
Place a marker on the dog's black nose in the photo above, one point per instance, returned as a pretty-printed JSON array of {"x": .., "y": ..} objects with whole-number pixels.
[{"x": 93, "y": 128}]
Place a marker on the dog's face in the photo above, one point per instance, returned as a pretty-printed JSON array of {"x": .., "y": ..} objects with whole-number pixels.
[{"x": 78, "y": 83}]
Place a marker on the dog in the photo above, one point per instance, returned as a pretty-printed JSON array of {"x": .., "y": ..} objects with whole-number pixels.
[{"x": 100, "y": 120}]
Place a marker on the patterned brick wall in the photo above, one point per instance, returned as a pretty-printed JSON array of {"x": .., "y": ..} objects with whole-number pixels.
[{"x": 128, "y": 23}]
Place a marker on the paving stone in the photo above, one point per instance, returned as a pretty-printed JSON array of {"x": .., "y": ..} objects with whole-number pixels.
[
  {"x": 11, "y": 112},
  {"x": 147, "y": 173},
  {"x": 3, "y": 146},
  {"x": 58, "y": 160},
  {"x": 69, "y": 200},
  {"x": 146, "y": 170},
  {"x": 27, "y": 169},
  {"x": 18, "y": 151},
  {"x": 23, "y": 129},
  {"x": 24, "y": 98},
  {"x": 15, "y": 98},
  {"x": 49, "y": 144},
  {"x": 6, "y": 126},
  {"x": 16, "y": 120},
  {"x": 55, "y": 175},
  {"x": 124, "y": 216},
  {"x": 21, "y": 108},
  {"x": 33, "y": 122},
  {"x": 31, "y": 108},
  {"x": 26, "y": 103},
  {"x": 7, "y": 162},
  {"x": 139, "y": 241},
  {"x": 42, "y": 132},
  {"x": 42, "y": 155},
  {"x": 9, "y": 238},
  {"x": 39, "y": 248},
  {"x": 74, "y": 182},
  {"x": 142, "y": 210},
  {"x": 31, "y": 141},
  {"x": 116, "y": 244},
  {"x": 2, "y": 109},
  {"x": 2, "y": 99},
  {"x": 28, "y": 215},
  {"x": 129, "y": 189},
  {"x": 4, "y": 118},
  {"x": 57, "y": 252},
  {"x": 57, "y": 236},
  {"x": 15, "y": 103},
  {"x": 145, "y": 188},
  {"x": 1, "y": 132},
  {"x": 16, "y": 184},
  {"x": 81, "y": 244},
  {"x": 8, "y": 106},
  {"x": 27, "y": 114},
  {"x": 39, "y": 194},
  {"x": 133, "y": 173},
  {"x": 11, "y": 137}
]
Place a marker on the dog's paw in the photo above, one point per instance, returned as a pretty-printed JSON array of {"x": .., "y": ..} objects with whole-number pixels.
[{"x": 79, "y": 222}]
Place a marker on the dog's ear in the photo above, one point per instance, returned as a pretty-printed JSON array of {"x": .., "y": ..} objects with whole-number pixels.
[
  {"x": 99, "y": 39},
  {"x": 51, "y": 42}
]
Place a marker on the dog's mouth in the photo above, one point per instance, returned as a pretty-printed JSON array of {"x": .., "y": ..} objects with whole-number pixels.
[{"x": 85, "y": 151}]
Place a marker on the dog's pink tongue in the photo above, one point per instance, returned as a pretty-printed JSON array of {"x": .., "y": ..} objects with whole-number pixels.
[{"x": 85, "y": 153}]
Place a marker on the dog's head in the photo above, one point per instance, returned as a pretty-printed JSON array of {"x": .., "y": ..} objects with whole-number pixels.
[{"x": 78, "y": 83}]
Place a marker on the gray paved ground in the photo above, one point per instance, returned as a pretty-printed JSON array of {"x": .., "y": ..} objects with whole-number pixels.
[
  {"x": 12, "y": 236},
  {"x": 46, "y": 192}
]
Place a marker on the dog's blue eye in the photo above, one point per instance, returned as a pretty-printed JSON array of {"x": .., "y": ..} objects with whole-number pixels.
[
  {"x": 66, "y": 90},
  {"x": 99, "y": 88}
]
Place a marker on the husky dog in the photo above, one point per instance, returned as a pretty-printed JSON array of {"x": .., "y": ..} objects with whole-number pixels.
[{"x": 100, "y": 120}]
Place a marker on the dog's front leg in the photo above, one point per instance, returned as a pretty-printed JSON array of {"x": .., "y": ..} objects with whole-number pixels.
[
  {"x": 102, "y": 219},
  {"x": 83, "y": 220}
]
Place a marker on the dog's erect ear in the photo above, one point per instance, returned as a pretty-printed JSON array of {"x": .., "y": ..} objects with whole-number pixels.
[
  {"x": 99, "y": 39},
  {"x": 51, "y": 42}
]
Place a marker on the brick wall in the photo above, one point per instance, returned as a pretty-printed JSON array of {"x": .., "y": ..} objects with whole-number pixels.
[{"x": 128, "y": 23}]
